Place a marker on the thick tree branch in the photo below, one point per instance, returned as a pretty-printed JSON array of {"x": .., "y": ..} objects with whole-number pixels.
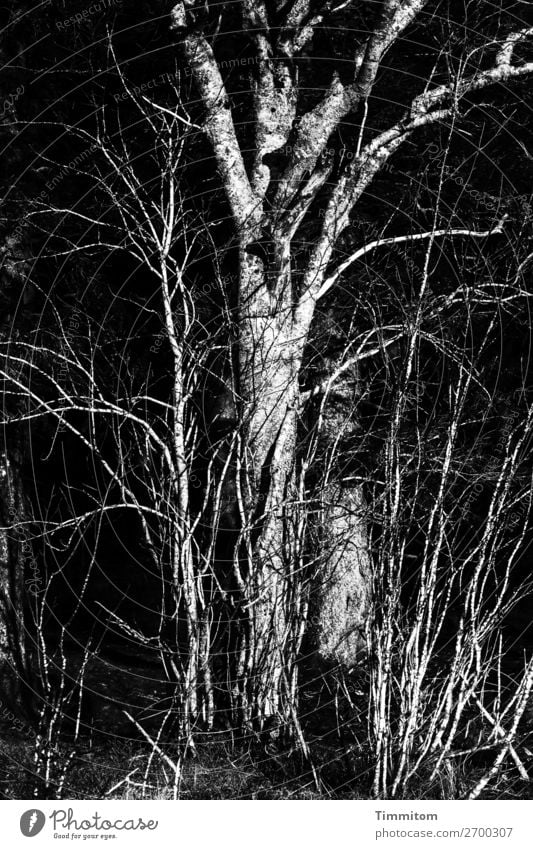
[
  {"x": 218, "y": 125},
  {"x": 396, "y": 240},
  {"x": 316, "y": 126},
  {"x": 425, "y": 110},
  {"x": 274, "y": 95}
]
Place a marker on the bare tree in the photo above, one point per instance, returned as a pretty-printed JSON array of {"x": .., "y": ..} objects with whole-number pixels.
[
  {"x": 259, "y": 535},
  {"x": 277, "y": 297}
]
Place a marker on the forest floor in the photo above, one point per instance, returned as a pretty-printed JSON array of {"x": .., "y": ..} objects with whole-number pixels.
[{"x": 115, "y": 759}]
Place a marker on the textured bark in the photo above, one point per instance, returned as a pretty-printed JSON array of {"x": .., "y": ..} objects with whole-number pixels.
[
  {"x": 14, "y": 553},
  {"x": 342, "y": 595},
  {"x": 344, "y": 591},
  {"x": 275, "y": 316},
  {"x": 269, "y": 392}
]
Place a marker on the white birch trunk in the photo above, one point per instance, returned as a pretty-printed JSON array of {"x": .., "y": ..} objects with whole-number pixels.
[{"x": 15, "y": 550}]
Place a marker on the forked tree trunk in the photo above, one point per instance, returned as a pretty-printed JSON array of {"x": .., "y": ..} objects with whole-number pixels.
[{"x": 273, "y": 203}]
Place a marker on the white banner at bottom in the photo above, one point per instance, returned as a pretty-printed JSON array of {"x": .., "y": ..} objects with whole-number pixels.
[{"x": 263, "y": 824}]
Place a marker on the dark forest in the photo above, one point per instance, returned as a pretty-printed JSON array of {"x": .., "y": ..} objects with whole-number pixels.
[{"x": 267, "y": 404}]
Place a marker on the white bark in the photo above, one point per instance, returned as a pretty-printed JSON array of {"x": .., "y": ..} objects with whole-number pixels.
[
  {"x": 275, "y": 317},
  {"x": 344, "y": 590},
  {"x": 14, "y": 552}
]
